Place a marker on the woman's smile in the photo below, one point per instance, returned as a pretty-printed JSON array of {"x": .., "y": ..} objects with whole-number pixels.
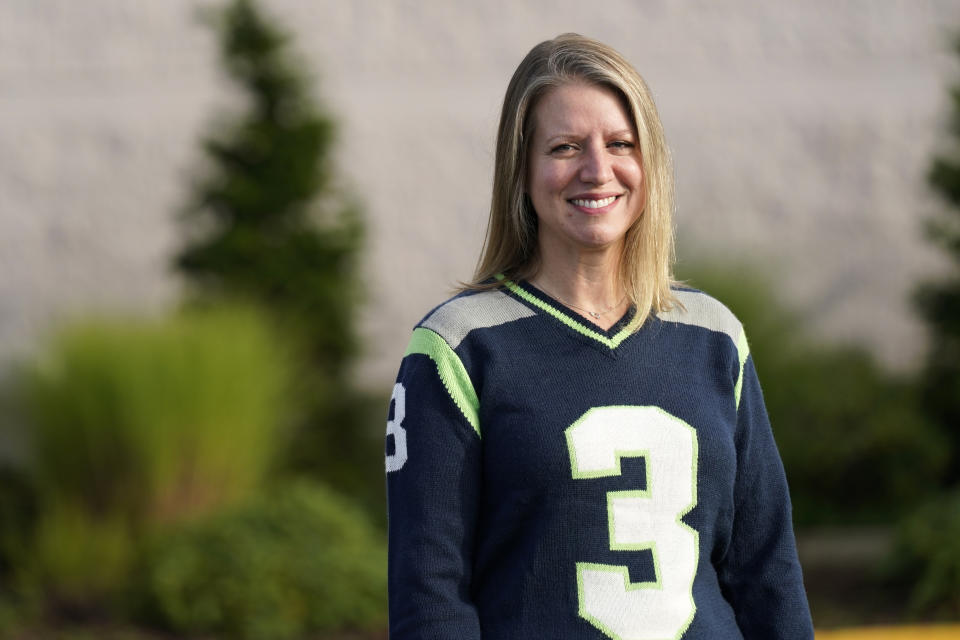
[{"x": 593, "y": 204}]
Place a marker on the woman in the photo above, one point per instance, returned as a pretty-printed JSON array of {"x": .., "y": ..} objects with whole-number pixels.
[{"x": 578, "y": 447}]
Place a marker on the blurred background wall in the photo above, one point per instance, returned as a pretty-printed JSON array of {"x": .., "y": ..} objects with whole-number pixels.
[{"x": 801, "y": 134}]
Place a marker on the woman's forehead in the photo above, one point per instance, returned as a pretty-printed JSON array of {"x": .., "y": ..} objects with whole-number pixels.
[{"x": 578, "y": 108}]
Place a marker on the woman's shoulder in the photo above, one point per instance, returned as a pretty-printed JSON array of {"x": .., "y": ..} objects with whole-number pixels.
[
  {"x": 455, "y": 318},
  {"x": 695, "y": 307}
]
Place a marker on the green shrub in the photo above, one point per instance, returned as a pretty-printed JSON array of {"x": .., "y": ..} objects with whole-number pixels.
[
  {"x": 138, "y": 425},
  {"x": 17, "y": 514},
  {"x": 17, "y": 517},
  {"x": 80, "y": 561},
  {"x": 927, "y": 557},
  {"x": 157, "y": 420},
  {"x": 299, "y": 560},
  {"x": 853, "y": 439}
]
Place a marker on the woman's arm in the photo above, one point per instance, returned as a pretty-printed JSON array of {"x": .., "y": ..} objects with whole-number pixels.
[
  {"x": 760, "y": 574},
  {"x": 433, "y": 490}
]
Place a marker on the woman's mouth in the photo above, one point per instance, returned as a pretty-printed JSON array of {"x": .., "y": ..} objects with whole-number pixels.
[{"x": 593, "y": 203}]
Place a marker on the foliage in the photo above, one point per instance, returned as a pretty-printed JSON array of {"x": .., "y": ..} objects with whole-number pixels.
[
  {"x": 852, "y": 438},
  {"x": 17, "y": 517},
  {"x": 353, "y": 452},
  {"x": 157, "y": 420},
  {"x": 927, "y": 557},
  {"x": 140, "y": 424},
  {"x": 841, "y": 422},
  {"x": 939, "y": 301},
  {"x": 266, "y": 224},
  {"x": 79, "y": 560},
  {"x": 299, "y": 560},
  {"x": 17, "y": 512}
]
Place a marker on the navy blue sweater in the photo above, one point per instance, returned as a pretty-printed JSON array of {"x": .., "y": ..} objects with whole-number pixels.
[{"x": 549, "y": 479}]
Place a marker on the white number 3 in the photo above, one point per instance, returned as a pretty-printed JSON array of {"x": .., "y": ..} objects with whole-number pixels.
[
  {"x": 640, "y": 519},
  {"x": 398, "y": 458}
]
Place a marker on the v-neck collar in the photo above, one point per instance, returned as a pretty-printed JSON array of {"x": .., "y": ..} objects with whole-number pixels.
[{"x": 610, "y": 338}]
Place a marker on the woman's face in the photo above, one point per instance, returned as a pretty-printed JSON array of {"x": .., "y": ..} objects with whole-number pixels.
[{"x": 585, "y": 175}]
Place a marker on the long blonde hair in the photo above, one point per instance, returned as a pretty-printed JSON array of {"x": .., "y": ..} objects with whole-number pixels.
[{"x": 510, "y": 246}]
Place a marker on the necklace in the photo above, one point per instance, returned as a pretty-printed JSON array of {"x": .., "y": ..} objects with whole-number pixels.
[{"x": 593, "y": 314}]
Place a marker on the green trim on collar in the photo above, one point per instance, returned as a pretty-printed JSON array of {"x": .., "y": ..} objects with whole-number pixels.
[{"x": 580, "y": 328}]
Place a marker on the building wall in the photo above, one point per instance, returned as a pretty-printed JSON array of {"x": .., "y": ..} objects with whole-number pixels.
[{"x": 801, "y": 134}]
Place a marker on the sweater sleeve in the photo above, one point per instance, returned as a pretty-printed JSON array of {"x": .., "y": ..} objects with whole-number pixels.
[
  {"x": 760, "y": 573},
  {"x": 433, "y": 485}
]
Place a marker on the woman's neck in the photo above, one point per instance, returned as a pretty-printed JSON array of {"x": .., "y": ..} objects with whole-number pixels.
[{"x": 589, "y": 285}]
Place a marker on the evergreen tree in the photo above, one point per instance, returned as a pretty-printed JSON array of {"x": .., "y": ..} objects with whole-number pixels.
[
  {"x": 266, "y": 224},
  {"x": 939, "y": 301}
]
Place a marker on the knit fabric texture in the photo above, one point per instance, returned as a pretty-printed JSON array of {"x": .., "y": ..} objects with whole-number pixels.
[{"x": 547, "y": 478}]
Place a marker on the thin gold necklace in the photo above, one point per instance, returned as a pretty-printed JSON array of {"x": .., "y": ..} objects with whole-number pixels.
[{"x": 594, "y": 314}]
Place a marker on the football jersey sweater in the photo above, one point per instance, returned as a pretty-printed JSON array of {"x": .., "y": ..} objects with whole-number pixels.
[{"x": 550, "y": 479}]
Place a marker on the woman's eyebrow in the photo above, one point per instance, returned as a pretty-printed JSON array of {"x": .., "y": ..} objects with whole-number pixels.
[
  {"x": 619, "y": 133},
  {"x": 561, "y": 136}
]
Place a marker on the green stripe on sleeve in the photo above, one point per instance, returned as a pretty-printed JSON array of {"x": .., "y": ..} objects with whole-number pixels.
[
  {"x": 743, "y": 349},
  {"x": 452, "y": 372}
]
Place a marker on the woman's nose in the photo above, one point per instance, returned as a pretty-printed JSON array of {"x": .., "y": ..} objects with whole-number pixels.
[{"x": 597, "y": 167}]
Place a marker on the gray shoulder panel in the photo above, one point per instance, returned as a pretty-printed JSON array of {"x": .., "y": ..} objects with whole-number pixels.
[
  {"x": 701, "y": 310},
  {"x": 461, "y": 315}
]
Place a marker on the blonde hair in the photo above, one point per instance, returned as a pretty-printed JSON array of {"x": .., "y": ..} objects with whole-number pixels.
[{"x": 510, "y": 246}]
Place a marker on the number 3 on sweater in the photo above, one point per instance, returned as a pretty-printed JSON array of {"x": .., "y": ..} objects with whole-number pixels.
[{"x": 640, "y": 519}]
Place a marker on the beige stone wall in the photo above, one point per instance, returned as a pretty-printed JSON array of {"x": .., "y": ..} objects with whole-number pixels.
[{"x": 801, "y": 133}]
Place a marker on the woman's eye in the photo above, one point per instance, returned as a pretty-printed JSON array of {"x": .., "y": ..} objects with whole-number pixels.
[
  {"x": 562, "y": 148},
  {"x": 621, "y": 144}
]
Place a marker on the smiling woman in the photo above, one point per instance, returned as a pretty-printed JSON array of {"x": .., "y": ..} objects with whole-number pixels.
[
  {"x": 573, "y": 81},
  {"x": 577, "y": 446}
]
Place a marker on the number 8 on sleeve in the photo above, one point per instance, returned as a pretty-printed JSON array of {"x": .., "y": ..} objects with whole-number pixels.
[{"x": 398, "y": 458}]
